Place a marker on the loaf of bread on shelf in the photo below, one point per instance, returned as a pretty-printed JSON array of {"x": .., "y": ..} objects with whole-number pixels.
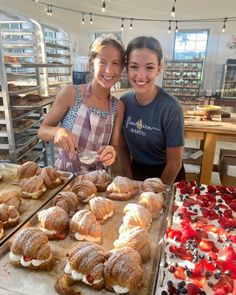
[
  {"x": 1, "y": 230},
  {"x": 17, "y": 100},
  {"x": 153, "y": 202},
  {"x": 11, "y": 59},
  {"x": 27, "y": 170},
  {"x": 122, "y": 188},
  {"x": 32, "y": 187},
  {"x": 85, "y": 263},
  {"x": 84, "y": 189},
  {"x": 99, "y": 177},
  {"x": 12, "y": 197},
  {"x": 54, "y": 222},
  {"x": 31, "y": 249},
  {"x": 137, "y": 238},
  {"x": 154, "y": 185},
  {"x": 51, "y": 177},
  {"x": 102, "y": 208},
  {"x": 13, "y": 87},
  {"x": 85, "y": 227},
  {"x": 32, "y": 98},
  {"x": 9, "y": 216},
  {"x": 136, "y": 215},
  {"x": 68, "y": 201},
  {"x": 123, "y": 271}
]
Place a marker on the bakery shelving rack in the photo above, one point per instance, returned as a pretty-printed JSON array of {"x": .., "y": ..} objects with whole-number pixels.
[
  {"x": 229, "y": 80},
  {"x": 21, "y": 103},
  {"x": 183, "y": 78}
]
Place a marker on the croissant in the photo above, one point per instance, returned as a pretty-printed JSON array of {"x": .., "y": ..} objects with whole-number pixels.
[
  {"x": 28, "y": 169},
  {"x": 32, "y": 187},
  {"x": 1, "y": 230},
  {"x": 64, "y": 286},
  {"x": 51, "y": 177},
  {"x": 137, "y": 215},
  {"x": 86, "y": 263},
  {"x": 54, "y": 222},
  {"x": 99, "y": 177},
  {"x": 68, "y": 201},
  {"x": 84, "y": 226},
  {"x": 85, "y": 190},
  {"x": 123, "y": 272},
  {"x": 11, "y": 198},
  {"x": 153, "y": 202},
  {"x": 137, "y": 238},
  {"x": 102, "y": 208},
  {"x": 31, "y": 249},
  {"x": 122, "y": 188},
  {"x": 154, "y": 185},
  {"x": 9, "y": 216}
]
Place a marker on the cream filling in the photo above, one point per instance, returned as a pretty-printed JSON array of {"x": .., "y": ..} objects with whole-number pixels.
[
  {"x": 35, "y": 194},
  {"x": 108, "y": 215},
  {"x": 48, "y": 231},
  {"x": 80, "y": 237},
  {"x": 11, "y": 219},
  {"x": 78, "y": 276},
  {"x": 120, "y": 290},
  {"x": 20, "y": 258}
]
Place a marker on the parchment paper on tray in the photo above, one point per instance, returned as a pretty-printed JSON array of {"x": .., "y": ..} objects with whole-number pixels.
[
  {"x": 28, "y": 207},
  {"x": 28, "y": 282}
]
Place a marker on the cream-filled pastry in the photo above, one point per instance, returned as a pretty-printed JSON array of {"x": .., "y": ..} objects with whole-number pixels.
[
  {"x": 85, "y": 190},
  {"x": 99, "y": 177},
  {"x": 68, "y": 201},
  {"x": 153, "y": 202},
  {"x": 12, "y": 197},
  {"x": 27, "y": 170},
  {"x": 153, "y": 184},
  {"x": 9, "y": 216},
  {"x": 51, "y": 177},
  {"x": 32, "y": 187},
  {"x": 102, "y": 208}
]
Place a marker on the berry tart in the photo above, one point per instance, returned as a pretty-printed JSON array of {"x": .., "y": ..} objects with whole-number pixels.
[{"x": 200, "y": 244}]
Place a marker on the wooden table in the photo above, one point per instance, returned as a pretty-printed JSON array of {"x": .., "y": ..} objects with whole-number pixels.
[{"x": 209, "y": 132}]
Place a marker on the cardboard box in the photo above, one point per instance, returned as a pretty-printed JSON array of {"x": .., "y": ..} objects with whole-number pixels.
[{"x": 227, "y": 167}]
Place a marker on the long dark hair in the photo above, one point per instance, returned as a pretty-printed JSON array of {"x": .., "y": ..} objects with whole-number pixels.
[{"x": 145, "y": 42}]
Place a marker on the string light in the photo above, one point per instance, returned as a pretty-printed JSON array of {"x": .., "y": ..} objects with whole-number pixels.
[
  {"x": 49, "y": 10},
  {"x": 131, "y": 24},
  {"x": 36, "y": 1},
  {"x": 224, "y": 25},
  {"x": 176, "y": 27},
  {"x": 103, "y": 6},
  {"x": 122, "y": 24},
  {"x": 91, "y": 18},
  {"x": 83, "y": 21},
  {"x": 169, "y": 29},
  {"x": 173, "y": 9}
]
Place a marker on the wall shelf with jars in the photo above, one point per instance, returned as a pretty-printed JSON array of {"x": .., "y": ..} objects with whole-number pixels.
[{"x": 229, "y": 81}]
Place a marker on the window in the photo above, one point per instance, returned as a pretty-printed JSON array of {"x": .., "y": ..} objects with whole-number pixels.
[{"x": 190, "y": 44}]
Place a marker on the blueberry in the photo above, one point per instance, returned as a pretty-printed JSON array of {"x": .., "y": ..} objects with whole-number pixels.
[
  {"x": 188, "y": 273},
  {"x": 183, "y": 291},
  {"x": 164, "y": 292},
  {"x": 169, "y": 283},
  {"x": 180, "y": 285},
  {"x": 165, "y": 264}
]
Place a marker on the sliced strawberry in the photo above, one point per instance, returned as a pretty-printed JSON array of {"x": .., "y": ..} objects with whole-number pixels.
[
  {"x": 192, "y": 289},
  {"x": 207, "y": 246},
  {"x": 197, "y": 190},
  {"x": 202, "y": 234},
  {"x": 198, "y": 281},
  {"x": 60, "y": 236},
  {"x": 198, "y": 269},
  {"x": 209, "y": 266},
  {"x": 26, "y": 258},
  {"x": 226, "y": 222},
  {"x": 180, "y": 273},
  {"x": 90, "y": 279},
  {"x": 211, "y": 188},
  {"x": 210, "y": 228},
  {"x": 226, "y": 283},
  {"x": 213, "y": 255},
  {"x": 205, "y": 212},
  {"x": 201, "y": 221}
]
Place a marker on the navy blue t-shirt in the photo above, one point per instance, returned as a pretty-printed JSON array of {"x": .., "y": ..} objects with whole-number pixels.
[{"x": 151, "y": 128}]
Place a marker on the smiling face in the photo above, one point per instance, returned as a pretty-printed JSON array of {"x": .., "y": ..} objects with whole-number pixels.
[
  {"x": 107, "y": 66},
  {"x": 143, "y": 68}
]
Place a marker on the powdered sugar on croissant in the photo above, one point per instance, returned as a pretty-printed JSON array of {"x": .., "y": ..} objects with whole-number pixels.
[
  {"x": 99, "y": 177},
  {"x": 9, "y": 216},
  {"x": 31, "y": 249},
  {"x": 68, "y": 201},
  {"x": 122, "y": 188},
  {"x": 85, "y": 190},
  {"x": 86, "y": 263},
  {"x": 123, "y": 271},
  {"x": 137, "y": 215},
  {"x": 84, "y": 226},
  {"x": 154, "y": 185},
  {"x": 102, "y": 208},
  {"x": 12, "y": 197},
  {"x": 51, "y": 177},
  {"x": 32, "y": 187},
  {"x": 153, "y": 202},
  {"x": 137, "y": 238},
  {"x": 54, "y": 221},
  {"x": 28, "y": 169}
]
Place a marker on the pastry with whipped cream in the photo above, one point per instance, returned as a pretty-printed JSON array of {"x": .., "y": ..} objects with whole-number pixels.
[
  {"x": 123, "y": 272},
  {"x": 30, "y": 249},
  {"x": 9, "y": 216},
  {"x": 54, "y": 222},
  {"x": 102, "y": 208},
  {"x": 153, "y": 184},
  {"x": 122, "y": 188},
  {"x": 153, "y": 202},
  {"x": 137, "y": 238},
  {"x": 85, "y": 227},
  {"x": 68, "y": 201},
  {"x": 99, "y": 177},
  {"x": 12, "y": 197},
  {"x": 51, "y": 177},
  {"x": 32, "y": 187},
  {"x": 85, "y": 190},
  {"x": 1, "y": 230},
  {"x": 85, "y": 263},
  {"x": 27, "y": 170}
]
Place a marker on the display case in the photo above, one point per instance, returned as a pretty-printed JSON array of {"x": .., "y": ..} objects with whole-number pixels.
[
  {"x": 22, "y": 98},
  {"x": 229, "y": 80},
  {"x": 183, "y": 78}
]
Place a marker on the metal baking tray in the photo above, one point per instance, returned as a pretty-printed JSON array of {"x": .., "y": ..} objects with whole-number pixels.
[
  {"x": 45, "y": 101},
  {"x": 24, "y": 89},
  {"x": 28, "y": 207},
  {"x": 17, "y": 279}
]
